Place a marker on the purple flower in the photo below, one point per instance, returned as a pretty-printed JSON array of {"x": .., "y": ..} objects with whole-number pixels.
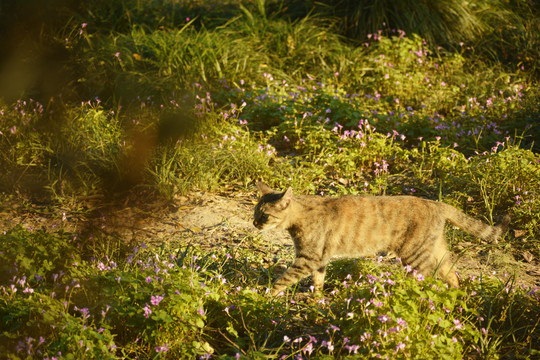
[
  {"x": 352, "y": 348},
  {"x": 162, "y": 348},
  {"x": 308, "y": 348},
  {"x": 286, "y": 339},
  {"x": 458, "y": 325},
  {"x": 334, "y": 328},
  {"x": 328, "y": 344},
  {"x": 156, "y": 299},
  {"x": 384, "y": 318},
  {"x": 147, "y": 311}
]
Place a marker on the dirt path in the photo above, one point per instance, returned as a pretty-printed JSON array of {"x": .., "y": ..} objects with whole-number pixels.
[{"x": 212, "y": 220}]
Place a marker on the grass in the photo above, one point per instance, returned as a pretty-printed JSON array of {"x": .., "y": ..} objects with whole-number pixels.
[
  {"x": 181, "y": 301},
  {"x": 165, "y": 100}
]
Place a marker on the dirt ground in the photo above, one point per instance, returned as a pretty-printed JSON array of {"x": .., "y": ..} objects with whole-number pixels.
[{"x": 213, "y": 220}]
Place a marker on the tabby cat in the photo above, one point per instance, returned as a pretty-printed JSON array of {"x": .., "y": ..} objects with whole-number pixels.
[{"x": 354, "y": 226}]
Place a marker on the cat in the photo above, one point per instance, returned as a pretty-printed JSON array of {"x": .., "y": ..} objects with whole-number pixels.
[{"x": 353, "y": 226}]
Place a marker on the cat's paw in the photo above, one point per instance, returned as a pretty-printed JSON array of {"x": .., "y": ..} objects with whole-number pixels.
[{"x": 278, "y": 291}]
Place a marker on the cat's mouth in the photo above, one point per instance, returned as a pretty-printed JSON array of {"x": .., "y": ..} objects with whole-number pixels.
[{"x": 257, "y": 224}]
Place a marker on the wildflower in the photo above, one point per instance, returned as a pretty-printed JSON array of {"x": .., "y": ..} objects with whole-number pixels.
[
  {"x": 400, "y": 346},
  {"x": 401, "y": 322},
  {"x": 83, "y": 26},
  {"x": 352, "y": 348},
  {"x": 162, "y": 348},
  {"x": 334, "y": 328},
  {"x": 147, "y": 311},
  {"x": 148, "y": 279},
  {"x": 328, "y": 344},
  {"x": 365, "y": 336},
  {"x": 201, "y": 311},
  {"x": 384, "y": 318},
  {"x": 155, "y": 300},
  {"x": 84, "y": 311},
  {"x": 458, "y": 325},
  {"x": 308, "y": 348},
  {"x": 286, "y": 339}
]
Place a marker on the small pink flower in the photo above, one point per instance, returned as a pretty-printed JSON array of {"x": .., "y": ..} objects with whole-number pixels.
[
  {"x": 147, "y": 311},
  {"x": 155, "y": 300},
  {"x": 458, "y": 325},
  {"x": 163, "y": 348}
]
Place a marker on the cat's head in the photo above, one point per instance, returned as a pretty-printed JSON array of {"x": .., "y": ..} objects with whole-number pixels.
[{"x": 271, "y": 210}]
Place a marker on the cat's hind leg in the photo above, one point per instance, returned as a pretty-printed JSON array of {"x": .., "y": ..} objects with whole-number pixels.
[{"x": 443, "y": 264}]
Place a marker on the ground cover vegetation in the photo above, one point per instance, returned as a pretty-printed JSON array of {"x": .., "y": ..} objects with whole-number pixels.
[{"x": 332, "y": 98}]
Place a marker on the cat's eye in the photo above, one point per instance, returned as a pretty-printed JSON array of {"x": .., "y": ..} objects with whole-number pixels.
[{"x": 264, "y": 217}]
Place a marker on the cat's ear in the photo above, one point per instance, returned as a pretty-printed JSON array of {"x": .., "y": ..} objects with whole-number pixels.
[
  {"x": 263, "y": 188},
  {"x": 287, "y": 196}
]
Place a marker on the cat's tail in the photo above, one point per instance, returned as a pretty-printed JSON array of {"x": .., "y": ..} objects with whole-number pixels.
[{"x": 475, "y": 227}]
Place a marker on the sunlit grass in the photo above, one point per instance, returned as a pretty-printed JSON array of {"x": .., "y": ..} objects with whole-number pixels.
[
  {"x": 182, "y": 301},
  {"x": 171, "y": 106}
]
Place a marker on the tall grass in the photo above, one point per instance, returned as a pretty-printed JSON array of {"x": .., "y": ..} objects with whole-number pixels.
[{"x": 439, "y": 22}]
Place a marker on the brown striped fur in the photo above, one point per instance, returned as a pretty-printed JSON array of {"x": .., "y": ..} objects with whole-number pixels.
[{"x": 352, "y": 226}]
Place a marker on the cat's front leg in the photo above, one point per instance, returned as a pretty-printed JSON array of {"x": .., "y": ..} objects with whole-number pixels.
[
  {"x": 318, "y": 277},
  {"x": 298, "y": 270}
]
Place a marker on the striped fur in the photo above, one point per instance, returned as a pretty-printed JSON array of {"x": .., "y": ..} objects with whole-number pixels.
[{"x": 323, "y": 228}]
